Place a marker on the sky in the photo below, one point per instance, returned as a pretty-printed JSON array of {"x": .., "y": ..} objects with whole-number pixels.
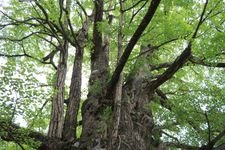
[{"x": 3, "y": 3}]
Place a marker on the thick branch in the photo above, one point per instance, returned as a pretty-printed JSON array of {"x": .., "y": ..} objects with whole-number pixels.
[
  {"x": 209, "y": 126},
  {"x": 20, "y": 135},
  {"x": 180, "y": 145},
  {"x": 211, "y": 144},
  {"x": 134, "y": 39},
  {"x": 118, "y": 88},
  {"x": 176, "y": 65},
  {"x": 163, "y": 100},
  {"x": 72, "y": 111}
]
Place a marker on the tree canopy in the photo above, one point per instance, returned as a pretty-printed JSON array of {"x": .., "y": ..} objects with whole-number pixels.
[{"x": 155, "y": 73}]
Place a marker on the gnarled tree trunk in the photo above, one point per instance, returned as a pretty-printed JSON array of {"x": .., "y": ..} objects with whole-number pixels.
[{"x": 117, "y": 113}]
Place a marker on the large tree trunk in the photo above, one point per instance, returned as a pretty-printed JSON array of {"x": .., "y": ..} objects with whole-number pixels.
[
  {"x": 117, "y": 114},
  {"x": 136, "y": 121},
  {"x": 135, "y": 127},
  {"x": 93, "y": 128}
]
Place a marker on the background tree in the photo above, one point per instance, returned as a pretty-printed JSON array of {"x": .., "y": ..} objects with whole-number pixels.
[{"x": 156, "y": 74}]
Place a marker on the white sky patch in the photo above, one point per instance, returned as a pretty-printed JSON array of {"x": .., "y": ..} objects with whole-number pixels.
[
  {"x": 4, "y": 3},
  {"x": 20, "y": 121},
  {"x": 2, "y": 61}
]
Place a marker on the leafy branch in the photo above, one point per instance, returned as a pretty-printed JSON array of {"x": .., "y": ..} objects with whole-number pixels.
[
  {"x": 18, "y": 134},
  {"x": 180, "y": 60},
  {"x": 29, "y": 56}
]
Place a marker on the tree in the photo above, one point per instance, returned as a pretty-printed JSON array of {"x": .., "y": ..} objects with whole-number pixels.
[{"x": 156, "y": 74}]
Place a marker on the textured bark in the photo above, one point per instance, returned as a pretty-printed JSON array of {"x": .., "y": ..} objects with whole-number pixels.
[
  {"x": 118, "y": 89},
  {"x": 130, "y": 124},
  {"x": 57, "y": 118},
  {"x": 93, "y": 127},
  {"x": 70, "y": 125},
  {"x": 136, "y": 123},
  {"x": 69, "y": 132},
  {"x": 95, "y": 132},
  {"x": 57, "y": 111}
]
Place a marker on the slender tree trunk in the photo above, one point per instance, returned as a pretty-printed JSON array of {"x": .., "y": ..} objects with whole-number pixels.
[
  {"x": 70, "y": 125},
  {"x": 57, "y": 112},
  {"x": 69, "y": 132},
  {"x": 118, "y": 89},
  {"x": 57, "y": 118}
]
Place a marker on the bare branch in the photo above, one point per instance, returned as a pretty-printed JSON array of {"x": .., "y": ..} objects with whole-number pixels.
[
  {"x": 50, "y": 55},
  {"x": 201, "y": 20},
  {"x": 21, "y": 39},
  {"x": 220, "y": 147},
  {"x": 29, "y": 56},
  {"x": 16, "y": 55},
  {"x": 170, "y": 136},
  {"x": 51, "y": 25},
  {"x": 193, "y": 60},
  {"x": 134, "y": 5},
  {"x": 39, "y": 112},
  {"x": 209, "y": 126},
  {"x": 45, "y": 39},
  {"x": 135, "y": 13},
  {"x": 199, "y": 61},
  {"x": 207, "y": 16},
  {"x": 20, "y": 22},
  {"x": 82, "y": 8},
  {"x": 155, "y": 47}
]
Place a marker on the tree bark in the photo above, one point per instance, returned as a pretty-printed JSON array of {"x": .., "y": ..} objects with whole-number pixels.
[
  {"x": 118, "y": 89},
  {"x": 69, "y": 132},
  {"x": 93, "y": 128},
  {"x": 136, "y": 128},
  {"x": 57, "y": 112},
  {"x": 70, "y": 125}
]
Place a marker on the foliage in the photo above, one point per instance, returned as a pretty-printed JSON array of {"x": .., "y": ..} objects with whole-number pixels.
[{"x": 193, "y": 112}]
